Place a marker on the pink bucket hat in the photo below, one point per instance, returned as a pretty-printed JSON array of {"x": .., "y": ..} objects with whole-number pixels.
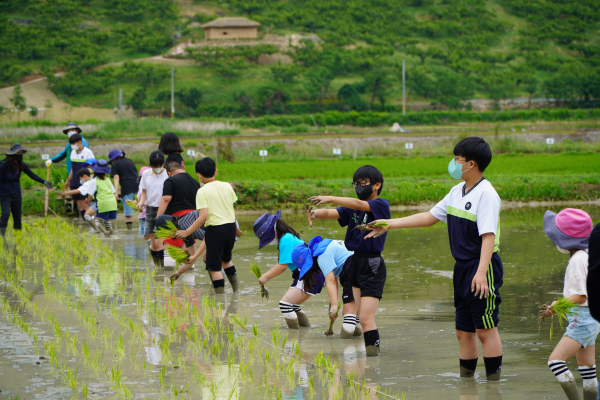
[{"x": 569, "y": 229}]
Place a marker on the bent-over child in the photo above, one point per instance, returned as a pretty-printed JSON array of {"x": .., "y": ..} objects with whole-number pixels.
[
  {"x": 570, "y": 230},
  {"x": 268, "y": 228},
  {"x": 106, "y": 195},
  {"x": 87, "y": 190}
]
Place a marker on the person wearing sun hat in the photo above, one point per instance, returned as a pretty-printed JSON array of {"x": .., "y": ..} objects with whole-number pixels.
[
  {"x": 569, "y": 231},
  {"x": 70, "y": 130},
  {"x": 331, "y": 259},
  {"x": 106, "y": 196},
  {"x": 270, "y": 228},
  {"x": 10, "y": 185},
  {"x": 124, "y": 173}
]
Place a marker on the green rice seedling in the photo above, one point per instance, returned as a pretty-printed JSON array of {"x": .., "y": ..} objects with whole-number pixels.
[
  {"x": 329, "y": 332},
  {"x": 258, "y": 273},
  {"x": 562, "y": 308},
  {"x": 255, "y": 329},
  {"x": 161, "y": 376},
  {"x": 167, "y": 232},
  {"x": 132, "y": 204},
  {"x": 84, "y": 390},
  {"x": 178, "y": 254}
]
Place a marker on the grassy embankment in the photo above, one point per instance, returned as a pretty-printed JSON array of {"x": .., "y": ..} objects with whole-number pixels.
[{"x": 287, "y": 184}]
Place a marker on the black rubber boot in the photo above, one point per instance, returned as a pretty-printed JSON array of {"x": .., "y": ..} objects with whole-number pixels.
[{"x": 233, "y": 280}]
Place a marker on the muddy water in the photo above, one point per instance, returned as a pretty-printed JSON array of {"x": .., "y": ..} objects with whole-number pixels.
[{"x": 419, "y": 352}]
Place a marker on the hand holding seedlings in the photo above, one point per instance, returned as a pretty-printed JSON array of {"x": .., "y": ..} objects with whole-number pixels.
[
  {"x": 310, "y": 214},
  {"x": 178, "y": 254},
  {"x": 332, "y": 316},
  {"x": 561, "y": 307},
  {"x": 378, "y": 228},
  {"x": 318, "y": 200},
  {"x": 258, "y": 273},
  {"x": 181, "y": 234},
  {"x": 133, "y": 204},
  {"x": 167, "y": 232}
]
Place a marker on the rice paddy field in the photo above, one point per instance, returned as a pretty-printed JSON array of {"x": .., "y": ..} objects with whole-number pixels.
[{"x": 87, "y": 317}]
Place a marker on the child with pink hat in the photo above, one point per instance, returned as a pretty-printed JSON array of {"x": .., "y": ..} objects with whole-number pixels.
[{"x": 570, "y": 230}]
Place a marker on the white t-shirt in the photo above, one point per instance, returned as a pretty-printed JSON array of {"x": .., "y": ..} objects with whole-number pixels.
[
  {"x": 153, "y": 184},
  {"x": 82, "y": 157},
  {"x": 576, "y": 275},
  {"x": 88, "y": 188},
  {"x": 468, "y": 217}
]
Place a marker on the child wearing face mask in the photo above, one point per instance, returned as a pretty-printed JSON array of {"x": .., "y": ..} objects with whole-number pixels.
[
  {"x": 570, "y": 230},
  {"x": 366, "y": 273},
  {"x": 87, "y": 189},
  {"x": 79, "y": 157},
  {"x": 472, "y": 212},
  {"x": 151, "y": 185},
  {"x": 70, "y": 130}
]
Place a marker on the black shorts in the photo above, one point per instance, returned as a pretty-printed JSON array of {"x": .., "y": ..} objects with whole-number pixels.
[
  {"x": 367, "y": 272},
  {"x": 472, "y": 312},
  {"x": 78, "y": 196},
  {"x": 347, "y": 295},
  {"x": 219, "y": 240}
]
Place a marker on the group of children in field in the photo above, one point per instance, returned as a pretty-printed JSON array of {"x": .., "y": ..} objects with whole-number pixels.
[{"x": 471, "y": 210}]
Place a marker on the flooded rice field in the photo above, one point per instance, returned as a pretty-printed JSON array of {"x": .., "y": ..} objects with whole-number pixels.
[{"x": 87, "y": 317}]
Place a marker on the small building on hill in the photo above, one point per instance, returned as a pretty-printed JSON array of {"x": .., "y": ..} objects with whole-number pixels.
[{"x": 231, "y": 28}]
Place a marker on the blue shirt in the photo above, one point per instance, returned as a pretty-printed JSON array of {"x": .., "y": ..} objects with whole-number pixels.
[
  {"x": 286, "y": 245},
  {"x": 380, "y": 209},
  {"x": 333, "y": 258}
]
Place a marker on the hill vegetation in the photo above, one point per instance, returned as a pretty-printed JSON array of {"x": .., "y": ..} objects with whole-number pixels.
[{"x": 455, "y": 50}]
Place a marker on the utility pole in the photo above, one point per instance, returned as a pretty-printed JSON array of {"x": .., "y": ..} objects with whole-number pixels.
[
  {"x": 403, "y": 88},
  {"x": 120, "y": 103},
  {"x": 172, "y": 92}
]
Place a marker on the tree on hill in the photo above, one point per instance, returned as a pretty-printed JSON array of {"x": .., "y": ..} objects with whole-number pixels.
[{"x": 138, "y": 101}]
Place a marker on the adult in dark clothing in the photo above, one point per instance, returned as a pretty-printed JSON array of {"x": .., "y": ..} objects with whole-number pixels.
[
  {"x": 593, "y": 278},
  {"x": 125, "y": 173},
  {"x": 171, "y": 148},
  {"x": 10, "y": 185}
]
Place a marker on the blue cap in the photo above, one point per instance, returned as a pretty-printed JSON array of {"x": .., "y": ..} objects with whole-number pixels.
[
  {"x": 114, "y": 154},
  {"x": 90, "y": 161}
]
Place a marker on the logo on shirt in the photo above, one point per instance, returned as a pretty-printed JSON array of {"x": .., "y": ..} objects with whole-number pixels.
[{"x": 468, "y": 206}]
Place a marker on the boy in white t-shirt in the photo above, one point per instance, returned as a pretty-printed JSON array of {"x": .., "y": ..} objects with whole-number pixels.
[
  {"x": 79, "y": 157},
  {"x": 570, "y": 230},
  {"x": 151, "y": 185},
  {"x": 471, "y": 211}
]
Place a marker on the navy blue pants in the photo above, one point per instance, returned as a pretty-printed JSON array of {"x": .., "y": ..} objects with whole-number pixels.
[
  {"x": 472, "y": 312},
  {"x": 11, "y": 205}
]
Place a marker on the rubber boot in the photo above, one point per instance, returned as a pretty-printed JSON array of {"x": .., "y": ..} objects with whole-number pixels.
[
  {"x": 220, "y": 290},
  {"x": 233, "y": 280},
  {"x": 344, "y": 334},
  {"x": 570, "y": 389},
  {"x": 358, "y": 330},
  {"x": 590, "y": 393},
  {"x": 303, "y": 320},
  {"x": 466, "y": 373},
  {"x": 93, "y": 224},
  {"x": 102, "y": 229},
  {"x": 2, "y": 231},
  {"x": 110, "y": 230},
  {"x": 494, "y": 377},
  {"x": 292, "y": 323},
  {"x": 156, "y": 261},
  {"x": 372, "y": 351}
]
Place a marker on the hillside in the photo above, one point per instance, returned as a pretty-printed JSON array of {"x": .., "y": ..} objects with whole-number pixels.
[{"x": 454, "y": 50}]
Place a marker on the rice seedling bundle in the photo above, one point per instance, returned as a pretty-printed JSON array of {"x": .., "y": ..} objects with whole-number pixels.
[
  {"x": 329, "y": 332},
  {"x": 167, "y": 232},
  {"x": 563, "y": 308},
  {"x": 132, "y": 204},
  {"x": 258, "y": 273},
  {"x": 178, "y": 254}
]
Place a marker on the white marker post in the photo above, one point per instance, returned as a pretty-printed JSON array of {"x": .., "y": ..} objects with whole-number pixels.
[
  {"x": 45, "y": 157},
  {"x": 192, "y": 154},
  {"x": 47, "y": 195},
  {"x": 337, "y": 152},
  {"x": 549, "y": 142},
  {"x": 263, "y": 154},
  {"x": 408, "y": 147}
]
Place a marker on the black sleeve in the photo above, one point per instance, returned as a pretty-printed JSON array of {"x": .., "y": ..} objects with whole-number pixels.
[
  {"x": 593, "y": 279},
  {"x": 33, "y": 176},
  {"x": 114, "y": 170},
  {"x": 168, "y": 187},
  {"x": 3, "y": 167}
]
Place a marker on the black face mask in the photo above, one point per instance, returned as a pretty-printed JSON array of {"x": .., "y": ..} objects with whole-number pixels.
[
  {"x": 19, "y": 157},
  {"x": 364, "y": 192}
]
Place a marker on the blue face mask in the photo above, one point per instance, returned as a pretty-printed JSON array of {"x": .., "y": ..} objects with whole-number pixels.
[{"x": 455, "y": 169}]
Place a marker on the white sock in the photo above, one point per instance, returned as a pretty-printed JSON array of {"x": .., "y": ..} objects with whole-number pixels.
[
  {"x": 349, "y": 323},
  {"x": 588, "y": 373},
  {"x": 107, "y": 224},
  {"x": 560, "y": 370},
  {"x": 88, "y": 217},
  {"x": 287, "y": 309}
]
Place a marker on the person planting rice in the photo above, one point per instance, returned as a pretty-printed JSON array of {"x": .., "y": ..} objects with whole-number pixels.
[
  {"x": 570, "y": 230},
  {"x": 471, "y": 210},
  {"x": 106, "y": 196},
  {"x": 367, "y": 272},
  {"x": 214, "y": 202},
  {"x": 151, "y": 185},
  {"x": 182, "y": 222},
  {"x": 79, "y": 157},
  {"x": 124, "y": 173},
  {"x": 328, "y": 258},
  {"x": 269, "y": 228},
  {"x": 87, "y": 190},
  {"x": 10, "y": 186},
  {"x": 142, "y": 207}
]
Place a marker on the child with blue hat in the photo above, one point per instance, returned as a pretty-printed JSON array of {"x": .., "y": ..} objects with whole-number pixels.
[
  {"x": 270, "y": 228},
  {"x": 330, "y": 258}
]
